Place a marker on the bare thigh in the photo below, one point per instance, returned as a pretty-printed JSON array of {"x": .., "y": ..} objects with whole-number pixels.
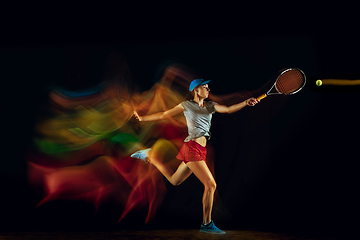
[{"x": 202, "y": 172}]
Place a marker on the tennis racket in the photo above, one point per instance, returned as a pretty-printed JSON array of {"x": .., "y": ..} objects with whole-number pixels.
[{"x": 289, "y": 81}]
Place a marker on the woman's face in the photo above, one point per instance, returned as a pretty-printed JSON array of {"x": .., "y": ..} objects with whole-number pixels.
[{"x": 203, "y": 91}]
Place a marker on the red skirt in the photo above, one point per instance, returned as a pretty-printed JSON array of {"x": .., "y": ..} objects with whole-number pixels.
[{"x": 191, "y": 152}]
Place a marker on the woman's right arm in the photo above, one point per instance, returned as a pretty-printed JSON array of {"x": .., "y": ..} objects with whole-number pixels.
[{"x": 161, "y": 115}]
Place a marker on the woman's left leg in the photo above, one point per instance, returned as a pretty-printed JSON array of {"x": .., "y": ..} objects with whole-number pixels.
[{"x": 203, "y": 173}]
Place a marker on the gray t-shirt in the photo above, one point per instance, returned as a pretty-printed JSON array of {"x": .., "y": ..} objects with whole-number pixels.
[{"x": 198, "y": 118}]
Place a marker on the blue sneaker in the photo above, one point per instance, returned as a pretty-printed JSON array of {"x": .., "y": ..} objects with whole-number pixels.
[
  {"x": 211, "y": 228},
  {"x": 143, "y": 155}
]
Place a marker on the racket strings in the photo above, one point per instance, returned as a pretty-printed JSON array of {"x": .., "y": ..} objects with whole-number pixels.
[{"x": 290, "y": 81}]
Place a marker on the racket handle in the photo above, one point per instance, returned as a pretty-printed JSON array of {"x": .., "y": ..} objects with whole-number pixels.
[{"x": 261, "y": 97}]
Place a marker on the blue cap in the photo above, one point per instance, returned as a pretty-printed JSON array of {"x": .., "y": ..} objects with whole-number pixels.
[{"x": 197, "y": 82}]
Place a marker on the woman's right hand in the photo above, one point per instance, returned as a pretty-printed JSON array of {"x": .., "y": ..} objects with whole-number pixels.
[{"x": 137, "y": 116}]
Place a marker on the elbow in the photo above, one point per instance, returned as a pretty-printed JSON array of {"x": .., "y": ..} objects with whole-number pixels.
[
  {"x": 229, "y": 110},
  {"x": 163, "y": 116},
  {"x": 226, "y": 110}
]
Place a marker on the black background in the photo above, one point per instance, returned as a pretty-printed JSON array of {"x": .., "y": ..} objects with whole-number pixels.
[{"x": 288, "y": 164}]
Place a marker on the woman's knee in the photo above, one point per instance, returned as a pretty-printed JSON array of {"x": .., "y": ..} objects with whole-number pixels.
[
  {"x": 210, "y": 185},
  {"x": 175, "y": 182}
]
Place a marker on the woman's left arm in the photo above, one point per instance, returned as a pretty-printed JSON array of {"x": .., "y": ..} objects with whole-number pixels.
[{"x": 236, "y": 107}]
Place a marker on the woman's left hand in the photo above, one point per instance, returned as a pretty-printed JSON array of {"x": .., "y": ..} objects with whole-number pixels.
[{"x": 251, "y": 102}]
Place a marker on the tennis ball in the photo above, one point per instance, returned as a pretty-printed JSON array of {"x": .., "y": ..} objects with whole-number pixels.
[{"x": 318, "y": 82}]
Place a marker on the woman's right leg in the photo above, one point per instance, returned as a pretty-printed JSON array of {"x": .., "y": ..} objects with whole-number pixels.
[{"x": 175, "y": 178}]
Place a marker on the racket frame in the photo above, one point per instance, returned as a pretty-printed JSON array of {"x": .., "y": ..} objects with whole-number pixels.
[{"x": 277, "y": 91}]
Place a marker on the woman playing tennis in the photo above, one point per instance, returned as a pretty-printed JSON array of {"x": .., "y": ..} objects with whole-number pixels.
[{"x": 198, "y": 114}]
